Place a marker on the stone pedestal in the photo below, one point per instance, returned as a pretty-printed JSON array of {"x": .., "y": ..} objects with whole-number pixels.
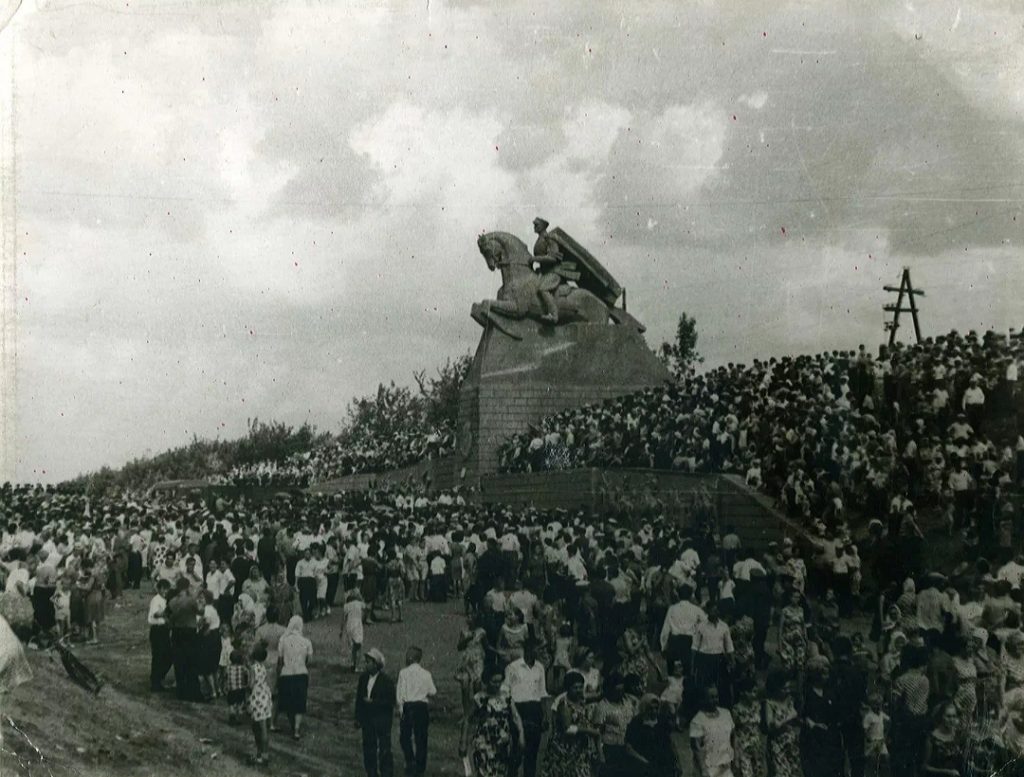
[{"x": 513, "y": 383}]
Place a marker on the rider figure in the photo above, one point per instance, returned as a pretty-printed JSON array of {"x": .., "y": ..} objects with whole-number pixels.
[{"x": 554, "y": 271}]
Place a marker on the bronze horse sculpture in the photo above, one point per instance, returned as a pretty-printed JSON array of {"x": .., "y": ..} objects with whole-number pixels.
[{"x": 518, "y": 299}]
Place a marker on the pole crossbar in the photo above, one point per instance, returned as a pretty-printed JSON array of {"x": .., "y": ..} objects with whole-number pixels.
[{"x": 910, "y": 306}]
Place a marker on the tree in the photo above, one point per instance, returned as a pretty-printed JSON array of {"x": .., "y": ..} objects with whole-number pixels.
[
  {"x": 441, "y": 394},
  {"x": 681, "y": 357}
]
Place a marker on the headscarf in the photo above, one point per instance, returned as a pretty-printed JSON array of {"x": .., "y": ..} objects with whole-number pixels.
[
  {"x": 647, "y": 701},
  {"x": 897, "y": 635},
  {"x": 14, "y": 667},
  {"x": 294, "y": 626}
]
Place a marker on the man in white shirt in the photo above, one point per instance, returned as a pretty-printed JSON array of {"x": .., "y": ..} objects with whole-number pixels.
[
  {"x": 525, "y": 684},
  {"x": 510, "y": 549},
  {"x": 221, "y": 584},
  {"x": 1012, "y": 571},
  {"x": 960, "y": 429},
  {"x": 680, "y": 625},
  {"x": 961, "y": 484},
  {"x": 526, "y": 602},
  {"x": 193, "y": 573},
  {"x": 437, "y": 582},
  {"x": 684, "y": 569},
  {"x": 193, "y": 555},
  {"x": 159, "y": 637},
  {"x": 577, "y": 569},
  {"x": 414, "y": 689},
  {"x": 974, "y": 403}
]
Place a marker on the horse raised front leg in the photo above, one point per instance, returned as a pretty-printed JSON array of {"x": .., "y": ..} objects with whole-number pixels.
[
  {"x": 479, "y": 314},
  {"x": 506, "y": 308}
]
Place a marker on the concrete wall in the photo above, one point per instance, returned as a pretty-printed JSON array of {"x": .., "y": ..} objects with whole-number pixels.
[
  {"x": 516, "y": 381},
  {"x": 492, "y": 413},
  {"x": 756, "y": 520},
  {"x": 443, "y": 475}
]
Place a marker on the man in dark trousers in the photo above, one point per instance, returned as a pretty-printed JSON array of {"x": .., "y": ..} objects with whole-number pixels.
[
  {"x": 159, "y": 637},
  {"x": 266, "y": 553},
  {"x": 415, "y": 687},
  {"x": 375, "y": 708},
  {"x": 182, "y": 611},
  {"x": 526, "y": 686},
  {"x": 850, "y": 691}
]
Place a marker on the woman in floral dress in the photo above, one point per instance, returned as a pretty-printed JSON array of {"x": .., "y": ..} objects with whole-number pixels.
[
  {"x": 260, "y": 702},
  {"x": 966, "y": 697},
  {"x": 987, "y": 664},
  {"x": 282, "y": 597},
  {"x": 783, "y": 727},
  {"x": 243, "y": 623},
  {"x": 907, "y": 606},
  {"x": 511, "y": 638},
  {"x": 636, "y": 659},
  {"x": 497, "y": 737},
  {"x": 1012, "y": 662},
  {"x": 394, "y": 571},
  {"x": 470, "y": 670},
  {"x": 573, "y": 749},
  {"x": 751, "y": 755},
  {"x": 792, "y": 634},
  {"x": 743, "y": 660}
]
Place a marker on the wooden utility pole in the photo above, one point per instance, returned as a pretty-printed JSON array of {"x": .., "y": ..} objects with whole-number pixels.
[{"x": 905, "y": 288}]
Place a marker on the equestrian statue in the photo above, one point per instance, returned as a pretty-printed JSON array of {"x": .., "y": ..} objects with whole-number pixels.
[{"x": 544, "y": 293}]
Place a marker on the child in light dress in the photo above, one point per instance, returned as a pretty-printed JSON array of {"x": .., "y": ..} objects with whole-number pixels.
[
  {"x": 672, "y": 696},
  {"x": 875, "y": 723},
  {"x": 352, "y": 630},
  {"x": 320, "y": 564},
  {"x": 62, "y": 608},
  {"x": 225, "y": 657},
  {"x": 565, "y": 645}
]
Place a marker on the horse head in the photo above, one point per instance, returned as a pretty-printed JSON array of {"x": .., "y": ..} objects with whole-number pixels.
[{"x": 501, "y": 249}]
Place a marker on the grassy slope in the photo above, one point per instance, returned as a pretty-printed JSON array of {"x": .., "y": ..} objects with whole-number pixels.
[{"x": 128, "y": 731}]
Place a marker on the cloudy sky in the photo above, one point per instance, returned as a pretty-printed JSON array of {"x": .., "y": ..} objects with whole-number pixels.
[{"x": 234, "y": 209}]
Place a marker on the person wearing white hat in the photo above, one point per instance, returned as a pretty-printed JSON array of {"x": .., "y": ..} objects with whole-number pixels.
[
  {"x": 374, "y": 712},
  {"x": 973, "y": 402}
]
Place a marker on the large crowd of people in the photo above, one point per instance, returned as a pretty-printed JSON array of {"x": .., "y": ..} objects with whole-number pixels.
[
  {"x": 901, "y": 421},
  {"x": 336, "y": 459},
  {"x": 594, "y": 644}
]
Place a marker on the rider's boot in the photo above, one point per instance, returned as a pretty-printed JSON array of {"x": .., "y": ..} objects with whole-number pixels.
[{"x": 550, "y": 307}]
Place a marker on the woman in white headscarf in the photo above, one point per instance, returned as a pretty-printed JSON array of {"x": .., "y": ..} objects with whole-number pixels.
[
  {"x": 14, "y": 668},
  {"x": 293, "y": 654},
  {"x": 15, "y": 604}
]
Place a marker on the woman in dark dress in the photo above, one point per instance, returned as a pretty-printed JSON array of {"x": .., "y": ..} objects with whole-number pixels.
[
  {"x": 943, "y": 756},
  {"x": 370, "y": 586},
  {"x": 821, "y": 746},
  {"x": 649, "y": 741}
]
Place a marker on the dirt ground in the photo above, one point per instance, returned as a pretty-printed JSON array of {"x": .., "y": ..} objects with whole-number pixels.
[{"x": 53, "y": 727}]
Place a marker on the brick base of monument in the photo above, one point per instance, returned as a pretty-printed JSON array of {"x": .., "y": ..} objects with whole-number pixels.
[{"x": 515, "y": 383}]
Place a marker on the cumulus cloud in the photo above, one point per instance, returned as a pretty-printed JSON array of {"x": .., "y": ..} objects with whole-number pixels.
[
  {"x": 756, "y": 100},
  {"x": 263, "y": 210},
  {"x": 659, "y": 166}
]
